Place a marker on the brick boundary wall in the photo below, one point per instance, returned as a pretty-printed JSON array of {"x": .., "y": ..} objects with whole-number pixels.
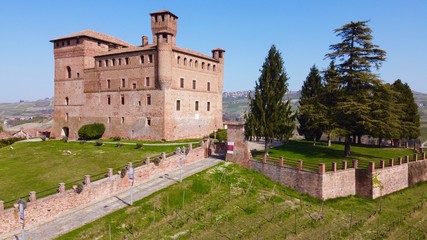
[{"x": 42, "y": 210}]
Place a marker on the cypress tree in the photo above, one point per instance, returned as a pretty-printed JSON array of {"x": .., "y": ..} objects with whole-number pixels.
[{"x": 270, "y": 117}]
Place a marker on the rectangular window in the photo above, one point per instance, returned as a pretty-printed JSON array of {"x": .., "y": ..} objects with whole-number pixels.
[
  {"x": 66, "y": 117},
  {"x": 181, "y": 84},
  {"x": 122, "y": 97},
  {"x": 109, "y": 100},
  {"x": 208, "y": 106},
  {"x": 109, "y": 120},
  {"x": 123, "y": 83},
  {"x": 139, "y": 103},
  {"x": 133, "y": 85},
  {"x": 99, "y": 63},
  {"x": 106, "y": 62},
  {"x": 178, "y": 105},
  {"x": 147, "y": 81},
  {"x": 194, "y": 84},
  {"x": 114, "y": 62},
  {"x": 150, "y": 58},
  {"x": 209, "y": 86},
  {"x": 126, "y": 61},
  {"x": 196, "y": 106},
  {"x": 122, "y": 120},
  {"x": 149, "y": 121},
  {"x": 142, "y": 59},
  {"x": 108, "y": 84},
  {"x": 120, "y": 61},
  {"x": 148, "y": 99}
]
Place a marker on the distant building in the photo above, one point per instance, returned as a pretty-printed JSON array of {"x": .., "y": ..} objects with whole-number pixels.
[{"x": 151, "y": 91}]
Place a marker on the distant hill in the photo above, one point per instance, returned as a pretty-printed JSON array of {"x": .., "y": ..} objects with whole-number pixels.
[{"x": 43, "y": 107}]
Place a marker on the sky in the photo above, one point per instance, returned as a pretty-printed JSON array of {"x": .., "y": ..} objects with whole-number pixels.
[{"x": 301, "y": 30}]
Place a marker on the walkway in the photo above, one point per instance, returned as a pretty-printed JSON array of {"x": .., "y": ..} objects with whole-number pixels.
[{"x": 76, "y": 218}]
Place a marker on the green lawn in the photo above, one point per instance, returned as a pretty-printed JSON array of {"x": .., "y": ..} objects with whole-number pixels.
[
  {"x": 231, "y": 202},
  {"x": 321, "y": 153},
  {"x": 40, "y": 166}
]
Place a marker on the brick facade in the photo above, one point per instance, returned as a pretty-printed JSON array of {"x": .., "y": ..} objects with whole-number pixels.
[{"x": 135, "y": 90}]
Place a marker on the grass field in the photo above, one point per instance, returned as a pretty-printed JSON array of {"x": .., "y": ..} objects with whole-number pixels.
[
  {"x": 39, "y": 166},
  {"x": 321, "y": 153},
  {"x": 230, "y": 202}
]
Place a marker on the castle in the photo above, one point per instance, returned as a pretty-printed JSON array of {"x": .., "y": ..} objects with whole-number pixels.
[{"x": 151, "y": 91}]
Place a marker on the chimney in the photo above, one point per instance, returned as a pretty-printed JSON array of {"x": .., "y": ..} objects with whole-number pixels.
[{"x": 144, "y": 41}]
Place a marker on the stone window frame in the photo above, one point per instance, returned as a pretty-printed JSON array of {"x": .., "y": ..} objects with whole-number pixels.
[
  {"x": 68, "y": 72},
  {"x": 123, "y": 83},
  {"x": 178, "y": 105},
  {"x": 196, "y": 106},
  {"x": 148, "y": 100},
  {"x": 147, "y": 81}
]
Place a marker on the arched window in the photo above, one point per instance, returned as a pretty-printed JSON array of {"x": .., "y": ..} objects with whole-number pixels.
[
  {"x": 178, "y": 60},
  {"x": 191, "y": 62},
  {"x": 209, "y": 66},
  {"x": 68, "y": 72},
  {"x": 185, "y": 61},
  {"x": 67, "y": 101},
  {"x": 203, "y": 65},
  {"x": 214, "y": 68},
  {"x": 196, "y": 64}
]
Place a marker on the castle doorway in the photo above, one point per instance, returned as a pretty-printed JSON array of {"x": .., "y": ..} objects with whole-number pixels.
[{"x": 65, "y": 132}]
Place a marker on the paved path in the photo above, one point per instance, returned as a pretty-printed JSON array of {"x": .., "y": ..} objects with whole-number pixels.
[{"x": 76, "y": 218}]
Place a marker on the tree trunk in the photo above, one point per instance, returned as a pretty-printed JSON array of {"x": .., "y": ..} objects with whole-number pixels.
[
  {"x": 379, "y": 142},
  {"x": 353, "y": 139},
  {"x": 266, "y": 142},
  {"x": 359, "y": 139},
  {"x": 347, "y": 146},
  {"x": 314, "y": 141},
  {"x": 329, "y": 140}
]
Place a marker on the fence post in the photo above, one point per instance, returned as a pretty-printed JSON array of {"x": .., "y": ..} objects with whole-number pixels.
[
  {"x": 322, "y": 168},
  {"x": 163, "y": 156},
  {"x": 391, "y": 162},
  {"x": 282, "y": 161},
  {"x": 264, "y": 160},
  {"x": 87, "y": 180},
  {"x": 299, "y": 164},
  {"x": 110, "y": 172},
  {"x": 355, "y": 163},
  {"x": 344, "y": 165},
  {"x": 33, "y": 197},
  {"x": 407, "y": 159},
  {"x": 61, "y": 187},
  {"x": 371, "y": 166},
  {"x": 382, "y": 164},
  {"x": 424, "y": 155},
  {"x": 1, "y": 207},
  {"x": 334, "y": 166},
  {"x": 147, "y": 160},
  {"x": 415, "y": 157},
  {"x": 399, "y": 160}
]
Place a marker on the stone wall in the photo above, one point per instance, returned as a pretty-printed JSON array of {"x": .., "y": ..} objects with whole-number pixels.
[
  {"x": 42, "y": 210},
  {"x": 417, "y": 172},
  {"x": 323, "y": 186}
]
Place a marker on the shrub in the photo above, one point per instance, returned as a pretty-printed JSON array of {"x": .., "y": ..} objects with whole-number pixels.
[
  {"x": 99, "y": 143},
  {"x": 138, "y": 146},
  {"x": 9, "y": 141},
  {"x": 116, "y": 138},
  {"x": 91, "y": 131},
  {"x": 221, "y": 135}
]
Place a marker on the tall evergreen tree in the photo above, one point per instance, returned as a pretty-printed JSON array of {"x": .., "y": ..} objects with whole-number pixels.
[
  {"x": 355, "y": 55},
  {"x": 409, "y": 120},
  {"x": 311, "y": 112},
  {"x": 273, "y": 116},
  {"x": 329, "y": 98}
]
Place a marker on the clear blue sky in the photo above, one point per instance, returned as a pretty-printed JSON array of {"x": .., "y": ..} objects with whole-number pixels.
[{"x": 301, "y": 30}]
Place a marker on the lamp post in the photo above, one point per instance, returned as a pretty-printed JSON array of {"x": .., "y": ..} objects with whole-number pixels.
[
  {"x": 131, "y": 180},
  {"x": 22, "y": 204},
  {"x": 180, "y": 160}
]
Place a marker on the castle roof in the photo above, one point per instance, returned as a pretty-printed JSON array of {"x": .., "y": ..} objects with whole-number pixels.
[
  {"x": 162, "y": 12},
  {"x": 194, "y": 53},
  {"x": 95, "y": 35},
  {"x": 127, "y": 50}
]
